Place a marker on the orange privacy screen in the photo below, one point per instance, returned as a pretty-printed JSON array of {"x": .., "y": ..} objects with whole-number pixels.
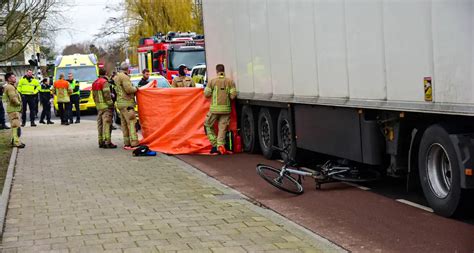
[{"x": 172, "y": 119}]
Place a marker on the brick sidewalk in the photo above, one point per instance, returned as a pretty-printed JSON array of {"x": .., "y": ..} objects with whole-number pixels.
[{"x": 70, "y": 196}]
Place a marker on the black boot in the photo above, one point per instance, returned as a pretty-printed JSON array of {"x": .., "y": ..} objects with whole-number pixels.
[
  {"x": 110, "y": 146},
  {"x": 4, "y": 126},
  {"x": 50, "y": 122},
  {"x": 214, "y": 151},
  {"x": 22, "y": 145}
]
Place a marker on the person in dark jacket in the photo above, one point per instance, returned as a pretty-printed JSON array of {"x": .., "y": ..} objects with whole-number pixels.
[
  {"x": 45, "y": 97},
  {"x": 144, "y": 80}
]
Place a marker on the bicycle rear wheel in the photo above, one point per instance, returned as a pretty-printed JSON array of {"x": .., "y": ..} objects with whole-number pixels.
[
  {"x": 285, "y": 183},
  {"x": 358, "y": 176}
]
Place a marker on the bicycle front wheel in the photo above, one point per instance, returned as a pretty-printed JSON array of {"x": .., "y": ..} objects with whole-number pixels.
[
  {"x": 285, "y": 182},
  {"x": 358, "y": 176}
]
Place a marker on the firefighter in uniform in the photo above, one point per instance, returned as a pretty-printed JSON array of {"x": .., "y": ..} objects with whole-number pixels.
[
  {"x": 182, "y": 80},
  {"x": 75, "y": 99},
  {"x": 126, "y": 105},
  {"x": 221, "y": 90},
  {"x": 62, "y": 91},
  {"x": 45, "y": 96},
  {"x": 103, "y": 102},
  {"x": 2, "y": 111},
  {"x": 12, "y": 98},
  {"x": 28, "y": 87}
]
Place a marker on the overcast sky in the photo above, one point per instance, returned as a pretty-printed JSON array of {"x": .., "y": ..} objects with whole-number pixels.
[{"x": 86, "y": 17}]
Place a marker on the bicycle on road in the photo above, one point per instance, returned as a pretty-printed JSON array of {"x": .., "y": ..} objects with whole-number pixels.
[{"x": 330, "y": 171}]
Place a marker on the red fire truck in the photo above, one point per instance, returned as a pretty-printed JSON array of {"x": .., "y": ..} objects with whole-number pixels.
[{"x": 165, "y": 53}]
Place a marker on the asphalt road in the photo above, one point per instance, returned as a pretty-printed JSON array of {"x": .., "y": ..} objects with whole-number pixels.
[{"x": 369, "y": 220}]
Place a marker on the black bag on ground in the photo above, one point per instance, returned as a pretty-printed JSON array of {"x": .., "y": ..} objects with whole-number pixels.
[{"x": 141, "y": 151}]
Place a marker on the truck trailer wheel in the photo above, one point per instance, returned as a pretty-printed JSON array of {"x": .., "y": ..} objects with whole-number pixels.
[
  {"x": 247, "y": 121},
  {"x": 285, "y": 135},
  {"x": 439, "y": 171},
  {"x": 266, "y": 133}
]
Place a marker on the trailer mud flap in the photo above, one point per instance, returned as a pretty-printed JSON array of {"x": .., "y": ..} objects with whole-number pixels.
[{"x": 464, "y": 147}]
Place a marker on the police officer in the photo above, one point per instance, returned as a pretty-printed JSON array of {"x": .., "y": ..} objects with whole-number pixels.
[
  {"x": 126, "y": 105},
  {"x": 75, "y": 99},
  {"x": 105, "y": 106},
  {"x": 182, "y": 80},
  {"x": 45, "y": 96},
  {"x": 222, "y": 90},
  {"x": 12, "y": 98},
  {"x": 29, "y": 88}
]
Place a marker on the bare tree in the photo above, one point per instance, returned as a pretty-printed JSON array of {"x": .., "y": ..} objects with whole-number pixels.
[{"x": 21, "y": 20}]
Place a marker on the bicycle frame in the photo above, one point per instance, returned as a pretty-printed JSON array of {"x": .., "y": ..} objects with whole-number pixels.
[
  {"x": 296, "y": 171},
  {"x": 326, "y": 172}
]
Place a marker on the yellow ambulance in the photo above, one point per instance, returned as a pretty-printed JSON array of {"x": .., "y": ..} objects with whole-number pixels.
[{"x": 85, "y": 70}]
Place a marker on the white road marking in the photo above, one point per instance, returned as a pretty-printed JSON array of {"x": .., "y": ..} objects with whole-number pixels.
[
  {"x": 404, "y": 201},
  {"x": 359, "y": 186}
]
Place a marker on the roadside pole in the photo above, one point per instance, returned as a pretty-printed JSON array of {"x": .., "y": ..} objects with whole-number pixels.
[{"x": 33, "y": 57}]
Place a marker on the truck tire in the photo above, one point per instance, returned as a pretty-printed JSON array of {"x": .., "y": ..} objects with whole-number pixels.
[
  {"x": 440, "y": 172},
  {"x": 266, "y": 133},
  {"x": 247, "y": 121},
  {"x": 285, "y": 135}
]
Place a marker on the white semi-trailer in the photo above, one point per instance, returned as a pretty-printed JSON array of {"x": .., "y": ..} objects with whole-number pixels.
[{"x": 379, "y": 82}]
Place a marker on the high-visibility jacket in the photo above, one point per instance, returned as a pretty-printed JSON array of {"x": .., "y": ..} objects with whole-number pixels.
[
  {"x": 222, "y": 90},
  {"x": 102, "y": 94},
  {"x": 12, "y": 98},
  {"x": 125, "y": 91},
  {"x": 62, "y": 90},
  {"x": 28, "y": 86},
  {"x": 74, "y": 87}
]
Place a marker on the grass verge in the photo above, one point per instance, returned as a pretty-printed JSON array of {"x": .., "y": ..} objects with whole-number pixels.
[{"x": 5, "y": 153}]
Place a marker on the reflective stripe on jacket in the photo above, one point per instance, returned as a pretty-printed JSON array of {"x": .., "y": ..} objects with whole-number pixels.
[
  {"x": 222, "y": 90},
  {"x": 45, "y": 88}
]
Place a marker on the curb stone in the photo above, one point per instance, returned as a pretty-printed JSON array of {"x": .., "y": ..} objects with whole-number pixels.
[
  {"x": 233, "y": 195},
  {"x": 6, "y": 190}
]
